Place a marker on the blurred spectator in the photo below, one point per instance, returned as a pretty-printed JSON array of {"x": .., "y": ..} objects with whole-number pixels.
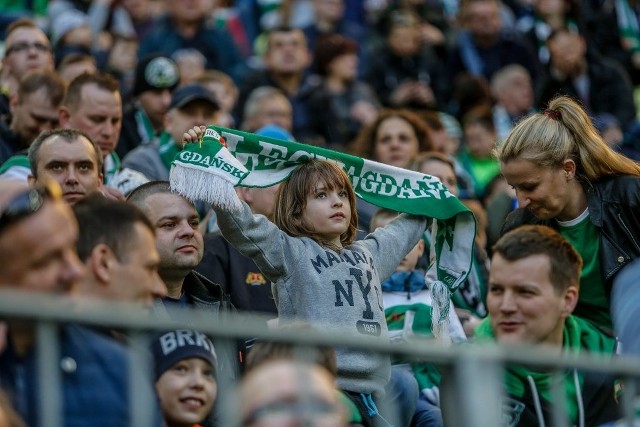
[
  {"x": 191, "y": 64},
  {"x": 512, "y": 90},
  {"x": 267, "y": 105},
  {"x": 144, "y": 119},
  {"x": 405, "y": 72},
  {"x": 226, "y": 93},
  {"x": 342, "y": 105},
  {"x": 469, "y": 92},
  {"x": 454, "y": 133},
  {"x": 549, "y": 16},
  {"x": 34, "y": 108},
  {"x": 435, "y": 26},
  {"x": 191, "y": 105},
  {"x": 185, "y": 26},
  {"x": 117, "y": 246},
  {"x": 613, "y": 31},
  {"x": 329, "y": 20},
  {"x": 446, "y": 145},
  {"x": 74, "y": 64},
  {"x": 601, "y": 85},
  {"x": 70, "y": 158},
  {"x": 70, "y": 29},
  {"x": 283, "y": 391},
  {"x": 121, "y": 61},
  {"x": 611, "y": 131},
  {"x": 286, "y": 59},
  {"x": 27, "y": 48},
  {"x": 483, "y": 46},
  {"x": 8, "y": 416},
  {"x": 395, "y": 138},
  {"x": 38, "y": 232},
  {"x": 624, "y": 306},
  {"x": 477, "y": 154},
  {"x": 141, "y": 13}
]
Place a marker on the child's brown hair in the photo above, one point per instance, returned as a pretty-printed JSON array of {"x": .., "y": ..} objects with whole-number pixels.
[{"x": 291, "y": 199}]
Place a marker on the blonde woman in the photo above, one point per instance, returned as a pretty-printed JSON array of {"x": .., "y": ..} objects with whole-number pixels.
[{"x": 567, "y": 177}]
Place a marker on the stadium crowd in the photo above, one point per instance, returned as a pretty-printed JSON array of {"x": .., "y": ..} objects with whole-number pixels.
[{"x": 525, "y": 110}]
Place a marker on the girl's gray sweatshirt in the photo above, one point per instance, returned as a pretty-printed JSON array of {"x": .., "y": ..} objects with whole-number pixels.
[{"x": 330, "y": 291}]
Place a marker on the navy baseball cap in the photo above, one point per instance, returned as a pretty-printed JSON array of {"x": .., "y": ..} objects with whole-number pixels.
[{"x": 189, "y": 93}]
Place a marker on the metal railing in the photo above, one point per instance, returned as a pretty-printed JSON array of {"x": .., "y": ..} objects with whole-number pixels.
[{"x": 475, "y": 371}]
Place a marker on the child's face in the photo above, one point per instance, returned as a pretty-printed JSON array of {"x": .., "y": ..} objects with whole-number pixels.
[
  {"x": 328, "y": 212},
  {"x": 187, "y": 391},
  {"x": 480, "y": 140}
]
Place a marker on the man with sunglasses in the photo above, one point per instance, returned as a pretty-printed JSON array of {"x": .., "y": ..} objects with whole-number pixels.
[
  {"x": 27, "y": 48},
  {"x": 38, "y": 234}
]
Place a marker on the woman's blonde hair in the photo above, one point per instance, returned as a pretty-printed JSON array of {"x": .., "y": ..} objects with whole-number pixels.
[
  {"x": 291, "y": 199},
  {"x": 565, "y": 131}
]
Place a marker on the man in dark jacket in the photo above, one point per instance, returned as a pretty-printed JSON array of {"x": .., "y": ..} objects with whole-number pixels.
[
  {"x": 144, "y": 120},
  {"x": 180, "y": 244},
  {"x": 38, "y": 233},
  {"x": 186, "y": 27},
  {"x": 601, "y": 85},
  {"x": 287, "y": 60}
]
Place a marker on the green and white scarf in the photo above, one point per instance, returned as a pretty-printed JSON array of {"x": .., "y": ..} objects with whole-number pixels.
[{"x": 208, "y": 171}]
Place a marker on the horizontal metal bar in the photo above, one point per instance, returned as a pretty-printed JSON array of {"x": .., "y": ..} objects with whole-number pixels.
[{"x": 234, "y": 326}]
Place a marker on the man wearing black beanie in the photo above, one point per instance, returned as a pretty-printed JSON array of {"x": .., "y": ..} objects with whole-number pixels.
[{"x": 144, "y": 119}]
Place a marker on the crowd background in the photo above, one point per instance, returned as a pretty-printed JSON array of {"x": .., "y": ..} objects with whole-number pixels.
[{"x": 434, "y": 86}]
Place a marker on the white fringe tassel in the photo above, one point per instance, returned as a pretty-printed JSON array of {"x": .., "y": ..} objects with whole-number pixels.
[
  {"x": 441, "y": 296},
  {"x": 197, "y": 184}
]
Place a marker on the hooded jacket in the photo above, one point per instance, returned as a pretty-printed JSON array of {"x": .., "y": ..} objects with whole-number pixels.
[{"x": 590, "y": 396}]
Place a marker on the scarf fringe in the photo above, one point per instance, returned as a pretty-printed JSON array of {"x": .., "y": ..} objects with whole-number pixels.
[
  {"x": 198, "y": 184},
  {"x": 441, "y": 298}
]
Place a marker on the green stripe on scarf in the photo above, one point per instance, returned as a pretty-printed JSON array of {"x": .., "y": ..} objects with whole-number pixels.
[
  {"x": 199, "y": 171},
  {"x": 18, "y": 160}
]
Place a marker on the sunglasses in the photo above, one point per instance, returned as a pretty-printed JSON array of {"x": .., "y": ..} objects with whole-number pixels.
[{"x": 27, "y": 203}]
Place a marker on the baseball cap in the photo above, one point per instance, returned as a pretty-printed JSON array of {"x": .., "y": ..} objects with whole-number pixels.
[
  {"x": 189, "y": 93},
  {"x": 154, "y": 72}
]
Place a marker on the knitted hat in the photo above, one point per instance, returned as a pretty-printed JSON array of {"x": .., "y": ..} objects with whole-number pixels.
[
  {"x": 156, "y": 72},
  {"x": 171, "y": 347}
]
